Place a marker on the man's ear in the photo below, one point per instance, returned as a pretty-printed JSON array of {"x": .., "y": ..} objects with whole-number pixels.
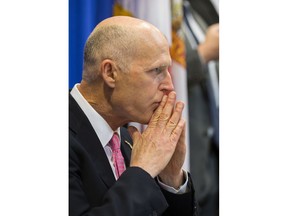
[{"x": 108, "y": 70}]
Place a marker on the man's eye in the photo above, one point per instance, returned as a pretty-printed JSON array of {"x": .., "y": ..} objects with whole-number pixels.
[
  {"x": 158, "y": 70},
  {"x": 159, "y": 73}
]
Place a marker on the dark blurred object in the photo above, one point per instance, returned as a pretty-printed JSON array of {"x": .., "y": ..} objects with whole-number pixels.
[
  {"x": 206, "y": 10},
  {"x": 199, "y": 15}
]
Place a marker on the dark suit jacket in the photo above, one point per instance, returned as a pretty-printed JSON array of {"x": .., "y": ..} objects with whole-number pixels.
[{"x": 93, "y": 189}]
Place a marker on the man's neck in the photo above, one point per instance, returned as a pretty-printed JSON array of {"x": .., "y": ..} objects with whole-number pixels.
[{"x": 98, "y": 101}]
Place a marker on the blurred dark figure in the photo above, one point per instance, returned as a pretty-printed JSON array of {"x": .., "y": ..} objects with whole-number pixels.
[{"x": 201, "y": 31}]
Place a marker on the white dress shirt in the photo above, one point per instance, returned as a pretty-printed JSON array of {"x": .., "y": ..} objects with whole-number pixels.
[{"x": 105, "y": 133}]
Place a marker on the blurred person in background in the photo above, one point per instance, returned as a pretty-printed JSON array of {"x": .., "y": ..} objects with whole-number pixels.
[{"x": 201, "y": 30}]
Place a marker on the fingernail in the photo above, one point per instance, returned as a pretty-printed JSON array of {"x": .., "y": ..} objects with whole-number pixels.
[
  {"x": 172, "y": 95},
  {"x": 164, "y": 98},
  {"x": 180, "y": 105}
]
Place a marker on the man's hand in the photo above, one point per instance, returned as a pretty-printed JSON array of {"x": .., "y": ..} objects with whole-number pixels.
[
  {"x": 172, "y": 174},
  {"x": 154, "y": 148}
]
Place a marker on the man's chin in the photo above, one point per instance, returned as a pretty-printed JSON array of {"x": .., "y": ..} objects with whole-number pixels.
[
  {"x": 145, "y": 119},
  {"x": 145, "y": 122}
]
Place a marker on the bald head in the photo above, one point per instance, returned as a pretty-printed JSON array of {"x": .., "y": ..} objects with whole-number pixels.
[
  {"x": 119, "y": 38},
  {"x": 122, "y": 21}
]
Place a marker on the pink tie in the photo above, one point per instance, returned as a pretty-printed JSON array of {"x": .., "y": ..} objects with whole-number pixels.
[{"x": 117, "y": 157}]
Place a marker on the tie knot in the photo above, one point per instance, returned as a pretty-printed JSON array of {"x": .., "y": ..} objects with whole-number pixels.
[{"x": 115, "y": 142}]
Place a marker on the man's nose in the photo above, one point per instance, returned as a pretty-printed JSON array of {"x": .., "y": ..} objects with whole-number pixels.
[{"x": 167, "y": 84}]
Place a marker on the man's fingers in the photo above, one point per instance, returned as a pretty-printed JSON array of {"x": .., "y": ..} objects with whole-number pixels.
[
  {"x": 155, "y": 117},
  {"x": 166, "y": 118},
  {"x": 176, "y": 116},
  {"x": 133, "y": 132},
  {"x": 167, "y": 110},
  {"x": 177, "y": 131}
]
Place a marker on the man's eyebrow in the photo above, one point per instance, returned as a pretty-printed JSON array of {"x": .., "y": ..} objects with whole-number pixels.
[{"x": 158, "y": 66}]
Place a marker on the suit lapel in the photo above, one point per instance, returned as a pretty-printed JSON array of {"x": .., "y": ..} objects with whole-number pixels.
[
  {"x": 84, "y": 132},
  {"x": 126, "y": 146}
]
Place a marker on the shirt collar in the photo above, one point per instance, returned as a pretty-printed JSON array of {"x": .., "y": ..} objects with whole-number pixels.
[{"x": 100, "y": 126}]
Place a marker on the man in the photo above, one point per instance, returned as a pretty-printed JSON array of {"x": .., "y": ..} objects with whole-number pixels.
[{"x": 125, "y": 79}]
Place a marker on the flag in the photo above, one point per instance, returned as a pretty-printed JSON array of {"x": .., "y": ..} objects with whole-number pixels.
[
  {"x": 158, "y": 13},
  {"x": 178, "y": 68},
  {"x": 84, "y": 15}
]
